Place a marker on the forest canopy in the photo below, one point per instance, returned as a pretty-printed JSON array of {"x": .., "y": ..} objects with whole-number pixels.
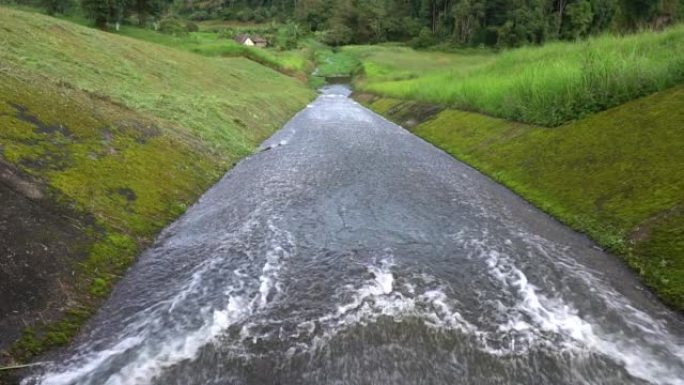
[
  {"x": 465, "y": 22},
  {"x": 507, "y": 23}
]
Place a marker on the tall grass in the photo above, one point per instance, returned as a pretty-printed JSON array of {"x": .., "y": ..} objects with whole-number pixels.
[
  {"x": 393, "y": 62},
  {"x": 555, "y": 83},
  {"x": 330, "y": 63}
]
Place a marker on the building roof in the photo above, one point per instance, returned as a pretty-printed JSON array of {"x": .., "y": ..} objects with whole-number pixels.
[
  {"x": 258, "y": 39},
  {"x": 242, "y": 38}
]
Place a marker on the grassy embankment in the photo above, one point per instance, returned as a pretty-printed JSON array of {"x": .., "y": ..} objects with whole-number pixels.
[
  {"x": 546, "y": 85},
  {"x": 214, "y": 44},
  {"x": 129, "y": 133},
  {"x": 211, "y": 40},
  {"x": 392, "y": 63},
  {"x": 334, "y": 63},
  {"x": 617, "y": 175},
  {"x": 330, "y": 63}
]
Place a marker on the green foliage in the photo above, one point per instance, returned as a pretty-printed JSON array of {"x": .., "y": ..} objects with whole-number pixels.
[
  {"x": 173, "y": 26},
  {"x": 468, "y": 15},
  {"x": 245, "y": 15},
  {"x": 580, "y": 16},
  {"x": 474, "y": 22},
  {"x": 288, "y": 36},
  {"x": 103, "y": 12},
  {"x": 200, "y": 16},
  {"x": 57, "y": 6},
  {"x": 617, "y": 176},
  {"x": 552, "y": 84},
  {"x": 500, "y": 23},
  {"x": 335, "y": 63},
  {"x": 192, "y": 27},
  {"x": 424, "y": 39}
]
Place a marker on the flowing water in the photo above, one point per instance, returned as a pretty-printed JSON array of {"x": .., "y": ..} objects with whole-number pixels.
[{"x": 349, "y": 251}]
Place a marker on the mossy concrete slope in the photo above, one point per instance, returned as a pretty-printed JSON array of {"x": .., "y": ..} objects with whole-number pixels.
[
  {"x": 618, "y": 175},
  {"x": 105, "y": 140}
]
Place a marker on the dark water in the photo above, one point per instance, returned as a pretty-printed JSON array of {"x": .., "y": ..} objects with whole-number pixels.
[{"x": 351, "y": 252}]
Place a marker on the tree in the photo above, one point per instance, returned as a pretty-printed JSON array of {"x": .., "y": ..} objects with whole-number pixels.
[
  {"x": 604, "y": 13},
  {"x": 56, "y": 6},
  {"x": 635, "y": 13},
  {"x": 581, "y": 16},
  {"x": 465, "y": 22},
  {"x": 102, "y": 11},
  {"x": 561, "y": 5},
  {"x": 526, "y": 22},
  {"x": 147, "y": 8},
  {"x": 113, "y": 11},
  {"x": 468, "y": 16},
  {"x": 287, "y": 36},
  {"x": 425, "y": 39},
  {"x": 342, "y": 23},
  {"x": 312, "y": 13}
]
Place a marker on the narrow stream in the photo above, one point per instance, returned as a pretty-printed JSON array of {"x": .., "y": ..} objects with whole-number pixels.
[{"x": 349, "y": 251}]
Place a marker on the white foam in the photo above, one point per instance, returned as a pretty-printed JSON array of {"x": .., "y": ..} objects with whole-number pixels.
[
  {"x": 534, "y": 319},
  {"x": 148, "y": 354},
  {"x": 378, "y": 297},
  {"x": 151, "y": 362},
  {"x": 537, "y": 319},
  {"x": 91, "y": 365}
]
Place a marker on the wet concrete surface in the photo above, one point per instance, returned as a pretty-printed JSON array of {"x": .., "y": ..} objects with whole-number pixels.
[{"x": 349, "y": 251}]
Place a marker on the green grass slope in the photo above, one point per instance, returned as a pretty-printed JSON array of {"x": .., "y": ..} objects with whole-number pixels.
[
  {"x": 617, "y": 176},
  {"x": 384, "y": 63},
  {"x": 546, "y": 85},
  {"x": 212, "y": 40},
  {"x": 216, "y": 98},
  {"x": 214, "y": 44},
  {"x": 128, "y": 134}
]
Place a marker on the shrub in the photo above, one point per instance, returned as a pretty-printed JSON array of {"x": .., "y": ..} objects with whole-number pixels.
[
  {"x": 260, "y": 15},
  {"x": 339, "y": 34},
  {"x": 245, "y": 15},
  {"x": 200, "y": 16},
  {"x": 425, "y": 39},
  {"x": 228, "y": 14},
  {"x": 191, "y": 27},
  {"x": 173, "y": 26},
  {"x": 227, "y": 33}
]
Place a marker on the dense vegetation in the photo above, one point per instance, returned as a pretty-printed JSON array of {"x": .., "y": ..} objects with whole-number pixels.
[
  {"x": 471, "y": 22},
  {"x": 617, "y": 176},
  {"x": 546, "y": 85},
  {"x": 423, "y": 22},
  {"x": 129, "y": 133}
]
